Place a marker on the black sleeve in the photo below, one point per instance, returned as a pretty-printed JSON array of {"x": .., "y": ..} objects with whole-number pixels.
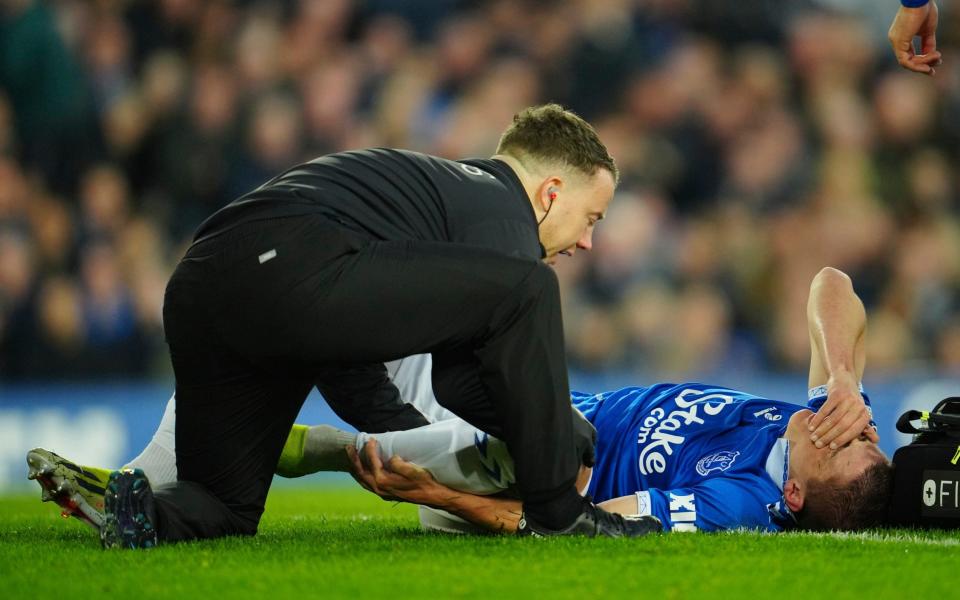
[{"x": 365, "y": 398}]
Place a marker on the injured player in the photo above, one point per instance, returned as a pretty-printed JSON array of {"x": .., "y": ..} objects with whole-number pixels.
[{"x": 696, "y": 456}]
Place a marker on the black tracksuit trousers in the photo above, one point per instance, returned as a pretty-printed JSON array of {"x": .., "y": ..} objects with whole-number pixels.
[{"x": 257, "y": 316}]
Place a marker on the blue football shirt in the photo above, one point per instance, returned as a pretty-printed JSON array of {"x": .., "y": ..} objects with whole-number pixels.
[{"x": 699, "y": 457}]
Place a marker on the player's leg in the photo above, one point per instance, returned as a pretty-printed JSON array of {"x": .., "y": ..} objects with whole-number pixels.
[
  {"x": 457, "y": 454},
  {"x": 291, "y": 463}
]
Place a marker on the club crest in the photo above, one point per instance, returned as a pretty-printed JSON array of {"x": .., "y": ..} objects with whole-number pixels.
[{"x": 718, "y": 461}]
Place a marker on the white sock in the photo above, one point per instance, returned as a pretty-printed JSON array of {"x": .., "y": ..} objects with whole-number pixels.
[
  {"x": 457, "y": 454},
  {"x": 159, "y": 459}
]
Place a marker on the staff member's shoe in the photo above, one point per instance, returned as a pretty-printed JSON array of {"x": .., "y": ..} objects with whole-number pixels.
[
  {"x": 594, "y": 522},
  {"x": 76, "y": 489},
  {"x": 130, "y": 517}
]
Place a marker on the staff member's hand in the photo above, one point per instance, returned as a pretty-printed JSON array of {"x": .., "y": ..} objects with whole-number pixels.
[
  {"x": 916, "y": 21},
  {"x": 843, "y": 417},
  {"x": 395, "y": 480}
]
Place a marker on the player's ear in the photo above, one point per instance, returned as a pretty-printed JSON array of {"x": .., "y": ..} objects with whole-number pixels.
[{"x": 793, "y": 493}]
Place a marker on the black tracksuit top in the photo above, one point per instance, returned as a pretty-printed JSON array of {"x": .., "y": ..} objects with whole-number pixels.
[{"x": 398, "y": 195}]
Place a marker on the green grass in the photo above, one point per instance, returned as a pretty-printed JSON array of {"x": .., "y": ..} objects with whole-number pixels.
[{"x": 339, "y": 541}]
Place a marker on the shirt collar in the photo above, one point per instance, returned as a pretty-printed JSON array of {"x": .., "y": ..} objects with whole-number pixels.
[
  {"x": 778, "y": 468},
  {"x": 778, "y": 462}
]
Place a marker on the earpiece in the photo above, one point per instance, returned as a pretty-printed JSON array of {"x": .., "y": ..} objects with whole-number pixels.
[{"x": 552, "y": 195}]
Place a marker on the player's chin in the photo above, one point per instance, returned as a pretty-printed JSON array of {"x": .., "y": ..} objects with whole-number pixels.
[{"x": 799, "y": 420}]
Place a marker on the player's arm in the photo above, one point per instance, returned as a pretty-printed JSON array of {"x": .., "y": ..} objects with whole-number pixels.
[
  {"x": 401, "y": 480},
  {"x": 624, "y": 505},
  {"x": 717, "y": 504},
  {"x": 836, "y": 322}
]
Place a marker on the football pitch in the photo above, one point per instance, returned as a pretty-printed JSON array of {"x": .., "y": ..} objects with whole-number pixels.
[{"x": 341, "y": 542}]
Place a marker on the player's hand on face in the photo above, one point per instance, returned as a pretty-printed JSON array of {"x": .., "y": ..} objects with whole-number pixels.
[
  {"x": 911, "y": 22},
  {"x": 843, "y": 417},
  {"x": 397, "y": 480}
]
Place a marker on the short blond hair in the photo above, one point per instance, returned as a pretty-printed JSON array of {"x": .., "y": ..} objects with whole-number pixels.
[{"x": 552, "y": 134}]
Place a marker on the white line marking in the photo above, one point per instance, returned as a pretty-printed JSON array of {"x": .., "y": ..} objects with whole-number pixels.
[{"x": 268, "y": 255}]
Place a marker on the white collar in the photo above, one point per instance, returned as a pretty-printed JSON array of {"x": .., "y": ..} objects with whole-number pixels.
[{"x": 778, "y": 462}]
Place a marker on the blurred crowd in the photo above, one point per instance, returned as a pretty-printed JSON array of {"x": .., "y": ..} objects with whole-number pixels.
[{"x": 758, "y": 141}]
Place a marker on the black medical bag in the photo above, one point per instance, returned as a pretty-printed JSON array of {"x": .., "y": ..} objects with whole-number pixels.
[{"x": 926, "y": 479}]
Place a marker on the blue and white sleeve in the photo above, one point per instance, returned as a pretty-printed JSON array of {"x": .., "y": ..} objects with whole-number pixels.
[
  {"x": 715, "y": 505},
  {"x": 818, "y": 395}
]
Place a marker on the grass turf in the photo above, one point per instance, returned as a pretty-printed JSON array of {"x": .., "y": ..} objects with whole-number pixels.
[{"x": 342, "y": 542}]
